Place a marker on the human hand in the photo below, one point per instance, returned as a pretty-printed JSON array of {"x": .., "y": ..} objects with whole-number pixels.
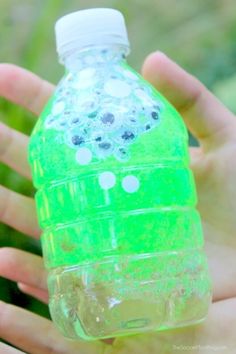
[{"x": 200, "y": 110}]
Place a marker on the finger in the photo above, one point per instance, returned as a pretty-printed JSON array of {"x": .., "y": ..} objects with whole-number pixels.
[
  {"x": 204, "y": 338},
  {"x": 41, "y": 295},
  {"x": 28, "y": 271},
  {"x": 222, "y": 265},
  {"x": 24, "y": 88},
  {"x": 37, "y": 335},
  {"x": 13, "y": 150},
  {"x": 205, "y": 116},
  {"x": 18, "y": 212},
  {"x": 23, "y": 267},
  {"x": 195, "y": 155},
  {"x": 5, "y": 349}
]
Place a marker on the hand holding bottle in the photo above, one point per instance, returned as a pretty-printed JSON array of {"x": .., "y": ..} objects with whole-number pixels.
[{"x": 215, "y": 177}]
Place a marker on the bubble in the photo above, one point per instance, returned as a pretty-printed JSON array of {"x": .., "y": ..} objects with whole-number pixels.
[
  {"x": 117, "y": 88},
  {"x": 65, "y": 116},
  {"x": 84, "y": 156},
  {"x": 146, "y": 126},
  {"x": 89, "y": 60},
  {"x": 122, "y": 154},
  {"x": 130, "y": 184},
  {"x": 87, "y": 73},
  {"x": 75, "y": 121},
  {"x": 63, "y": 93},
  {"x": 87, "y": 106},
  {"x": 152, "y": 118},
  {"x": 144, "y": 97},
  {"x": 132, "y": 119},
  {"x": 77, "y": 137},
  {"x": 50, "y": 121},
  {"x": 106, "y": 55},
  {"x": 104, "y": 148},
  {"x": 130, "y": 75},
  {"x": 105, "y": 145},
  {"x": 61, "y": 124},
  {"x": 107, "y": 180},
  {"x": 58, "y": 108},
  {"x": 85, "y": 78}
]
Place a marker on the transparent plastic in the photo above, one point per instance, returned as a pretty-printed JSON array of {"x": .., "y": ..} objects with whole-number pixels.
[{"x": 122, "y": 239}]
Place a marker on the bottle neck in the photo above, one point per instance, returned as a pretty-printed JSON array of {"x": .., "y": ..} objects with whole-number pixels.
[{"x": 94, "y": 56}]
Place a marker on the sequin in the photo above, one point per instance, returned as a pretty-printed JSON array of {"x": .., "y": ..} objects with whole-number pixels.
[
  {"x": 86, "y": 78},
  {"x": 86, "y": 74},
  {"x": 117, "y": 88},
  {"x": 107, "y": 180},
  {"x": 111, "y": 118},
  {"x": 84, "y": 156},
  {"x": 108, "y": 118},
  {"x": 130, "y": 184}
]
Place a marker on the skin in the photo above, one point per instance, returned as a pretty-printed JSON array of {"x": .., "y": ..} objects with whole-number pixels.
[{"x": 215, "y": 174}]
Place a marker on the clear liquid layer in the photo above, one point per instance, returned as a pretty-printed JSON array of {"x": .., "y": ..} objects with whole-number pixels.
[{"x": 128, "y": 295}]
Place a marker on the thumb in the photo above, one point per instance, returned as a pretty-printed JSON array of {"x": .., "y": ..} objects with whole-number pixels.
[{"x": 205, "y": 116}]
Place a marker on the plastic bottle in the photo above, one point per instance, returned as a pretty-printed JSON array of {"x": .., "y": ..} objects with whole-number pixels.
[{"x": 122, "y": 239}]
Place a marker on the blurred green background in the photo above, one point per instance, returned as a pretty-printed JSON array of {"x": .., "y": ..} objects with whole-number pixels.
[{"x": 200, "y": 35}]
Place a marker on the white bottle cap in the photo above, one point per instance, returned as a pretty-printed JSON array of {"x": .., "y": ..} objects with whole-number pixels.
[{"x": 90, "y": 27}]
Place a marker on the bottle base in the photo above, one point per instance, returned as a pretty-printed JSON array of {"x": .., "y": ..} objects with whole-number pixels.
[{"x": 130, "y": 295}]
